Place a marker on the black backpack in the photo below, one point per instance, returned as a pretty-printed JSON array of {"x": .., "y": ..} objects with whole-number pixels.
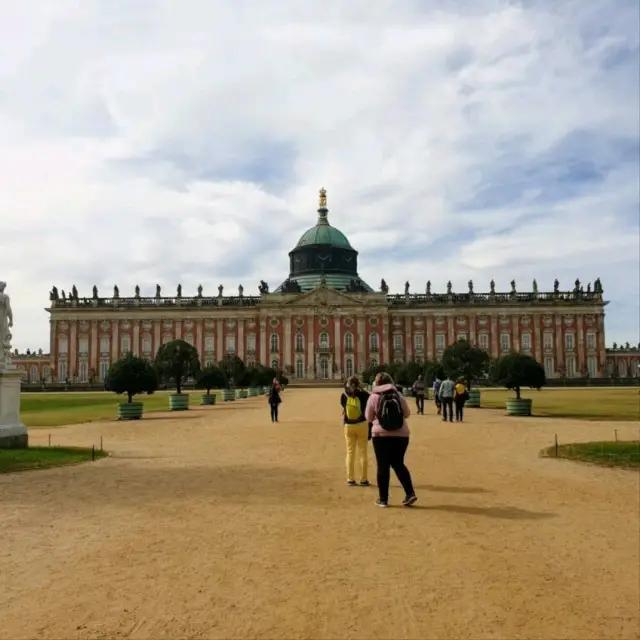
[{"x": 390, "y": 413}]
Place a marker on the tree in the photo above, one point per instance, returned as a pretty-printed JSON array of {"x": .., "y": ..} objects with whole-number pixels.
[
  {"x": 132, "y": 375},
  {"x": 462, "y": 360},
  {"x": 233, "y": 368},
  {"x": 178, "y": 361},
  {"x": 517, "y": 370},
  {"x": 211, "y": 377}
]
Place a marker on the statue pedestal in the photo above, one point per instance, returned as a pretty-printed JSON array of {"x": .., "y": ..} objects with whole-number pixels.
[{"x": 13, "y": 434}]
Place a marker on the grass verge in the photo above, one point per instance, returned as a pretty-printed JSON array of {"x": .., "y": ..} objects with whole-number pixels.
[
  {"x": 44, "y": 457},
  {"x": 625, "y": 454},
  {"x": 596, "y": 403}
]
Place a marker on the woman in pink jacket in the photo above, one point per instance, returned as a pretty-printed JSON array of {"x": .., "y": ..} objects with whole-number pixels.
[{"x": 388, "y": 411}]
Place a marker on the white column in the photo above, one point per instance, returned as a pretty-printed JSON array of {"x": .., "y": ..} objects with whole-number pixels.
[
  {"x": 263, "y": 343},
  {"x": 515, "y": 324},
  {"x": 136, "y": 337},
  {"x": 115, "y": 340},
  {"x": 559, "y": 342},
  {"x": 288, "y": 361},
  {"x": 337, "y": 348},
  {"x": 408, "y": 346},
  {"x": 537, "y": 337},
  {"x": 311, "y": 372},
  {"x": 157, "y": 335},
  {"x": 220, "y": 339},
  {"x": 360, "y": 363},
  {"x": 240, "y": 345},
  {"x": 495, "y": 336},
  {"x": 384, "y": 341}
]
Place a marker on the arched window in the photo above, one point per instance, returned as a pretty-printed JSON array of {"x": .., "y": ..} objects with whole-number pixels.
[
  {"x": 274, "y": 343},
  {"x": 299, "y": 369},
  {"x": 299, "y": 342},
  {"x": 348, "y": 341},
  {"x": 324, "y": 340},
  {"x": 373, "y": 341},
  {"x": 349, "y": 367}
]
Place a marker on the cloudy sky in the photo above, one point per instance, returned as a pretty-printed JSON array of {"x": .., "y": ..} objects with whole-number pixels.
[{"x": 157, "y": 141}]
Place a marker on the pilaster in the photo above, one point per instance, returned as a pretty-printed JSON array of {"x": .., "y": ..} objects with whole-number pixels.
[
  {"x": 157, "y": 340},
  {"x": 537, "y": 337},
  {"x": 515, "y": 326},
  {"x": 408, "y": 342},
  {"x": 337, "y": 349},
  {"x": 311, "y": 373},
  {"x": 177, "y": 328},
  {"x": 384, "y": 341},
  {"x": 430, "y": 337},
  {"x": 559, "y": 341},
  {"x": 73, "y": 350},
  {"x": 263, "y": 342},
  {"x": 136, "y": 337},
  {"x": 115, "y": 340},
  {"x": 240, "y": 345},
  {"x": 360, "y": 362},
  {"x": 94, "y": 347},
  {"x": 288, "y": 360},
  {"x": 220, "y": 339},
  {"x": 495, "y": 336},
  {"x": 581, "y": 347}
]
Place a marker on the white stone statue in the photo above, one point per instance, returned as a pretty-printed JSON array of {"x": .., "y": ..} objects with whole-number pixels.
[{"x": 6, "y": 322}]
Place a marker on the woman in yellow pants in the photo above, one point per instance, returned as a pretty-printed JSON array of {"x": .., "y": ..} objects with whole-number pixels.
[{"x": 356, "y": 430}]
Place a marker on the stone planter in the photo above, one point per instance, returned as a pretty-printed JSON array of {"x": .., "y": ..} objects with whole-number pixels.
[
  {"x": 474, "y": 399},
  {"x": 407, "y": 392},
  {"x": 244, "y": 393},
  {"x": 253, "y": 392},
  {"x": 521, "y": 407},
  {"x": 208, "y": 399},
  {"x": 228, "y": 395},
  {"x": 130, "y": 410},
  {"x": 178, "y": 402}
]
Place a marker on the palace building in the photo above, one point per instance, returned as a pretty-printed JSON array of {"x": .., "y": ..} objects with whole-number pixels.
[{"x": 324, "y": 322}]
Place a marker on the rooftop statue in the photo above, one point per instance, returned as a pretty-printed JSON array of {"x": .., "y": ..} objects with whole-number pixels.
[
  {"x": 95, "y": 292},
  {"x": 535, "y": 286},
  {"x": 263, "y": 288},
  {"x": 116, "y": 291},
  {"x": 428, "y": 287},
  {"x": 470, "y": 287},
  {"x": 199, "y": 291},
  {"x": 137, "y": 291},
  {"x": 240, "y": 291},
  {"x": 74, "y": 292},
  {"x": 492, "y": 286},
  {"x": 406, "y": 288},
  {"x": 220, "y": 290},
  {"x": 179, "y": 291},
  {"x": 384, "y": 287},
  {"x": 513, "y": 286},
  {"x": 556, "y": 286},
  {"x": 323, "y": 198},
  {"x": 449, "y": 288},
  {"x": 54, "y": 294}
]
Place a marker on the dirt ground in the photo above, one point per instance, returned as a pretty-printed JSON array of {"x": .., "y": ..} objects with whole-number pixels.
[{"x": 218, "y": 524}]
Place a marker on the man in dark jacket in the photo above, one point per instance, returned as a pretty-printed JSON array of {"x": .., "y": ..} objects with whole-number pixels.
[{"x": 419, "y": 391}]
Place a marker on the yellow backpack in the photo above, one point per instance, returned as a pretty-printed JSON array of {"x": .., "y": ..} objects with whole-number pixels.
[{"x": 353, "y": 409}]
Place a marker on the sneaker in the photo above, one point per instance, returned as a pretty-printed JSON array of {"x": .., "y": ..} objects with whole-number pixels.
[
  {"x": 351, "y": 483},
  {"x": 365, "y": 483},
  {"x": 409, "y": 501},
  {"x": 381, "y": 503}
]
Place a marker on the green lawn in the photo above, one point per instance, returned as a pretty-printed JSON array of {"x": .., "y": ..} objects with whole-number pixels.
[
  {"x": 56, "y": 409},
  {"x": 596, "y": 403},
  {"x": 606, "y": 454},
  {"x": 44, "y": 457}
]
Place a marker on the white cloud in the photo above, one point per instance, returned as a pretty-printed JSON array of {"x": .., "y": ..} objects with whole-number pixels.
[{"x": 164, "y": 142}]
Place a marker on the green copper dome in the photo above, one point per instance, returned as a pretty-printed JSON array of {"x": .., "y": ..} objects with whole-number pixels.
[{"x": 324, "y": 233}]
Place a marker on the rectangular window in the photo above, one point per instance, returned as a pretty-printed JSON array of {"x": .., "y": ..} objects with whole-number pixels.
[
  {"x": 548, "y": 341},
  {"x": 592, "y": 366},
  {"x": 505, "y": 342},
  {"x": 569, "y": 341},
  {"x": 526, "y": 342},
  {"x": 548, "y": 367},
  {"x": 104, "y": 370},
  {"x": 63, "y": 345},
  {"x": 251, "y": 342},
  {"x": 373, "y": 341},
  {"x": 418, "y": 341},
  {"x": 46, "y": 373},
  {"x": 104, "y": 344},
  {"x": 462, "y": 336},
  {"x": 591, "y": 341},
  {"x": 397, "y": 342},
  {"x": 84, "y": 372},
  {"x": 208, "y": 344},
  {"x": 126, "y": 344},
  {"x": 571, "y": 366},
  {"x": 146, "y": 345},
  {"x": 62, "y": 372},
  {"x": 33, "y": 374},
  {"x": 483, "y": 341},
  {"x": 440, "y": 342},
  {"x": 83, "y": 346},
  {"x": 231, "y": 344}
]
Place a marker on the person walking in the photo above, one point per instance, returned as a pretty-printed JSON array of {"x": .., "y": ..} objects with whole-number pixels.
[
  {"x": 461, "y": 395},
  {"x": 419, "y": 393},
  {"x": 274, "y": 400},
  {"x": 388, "y": 411},
  {"x": 446, "y": 393},
  {"x": 356, "y": 429},
  {"x": 436, "y": 395}
]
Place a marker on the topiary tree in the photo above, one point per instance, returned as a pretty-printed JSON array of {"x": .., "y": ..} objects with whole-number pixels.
[
  {"x": 517, "y": 370},
  {"x": 233, "y": 368},
  {"x": 211, "y": 377},
  {"x": 132, "y": 375},
  {"x": 462, "y": 360},
  {"x": 178, "y": 361}
]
